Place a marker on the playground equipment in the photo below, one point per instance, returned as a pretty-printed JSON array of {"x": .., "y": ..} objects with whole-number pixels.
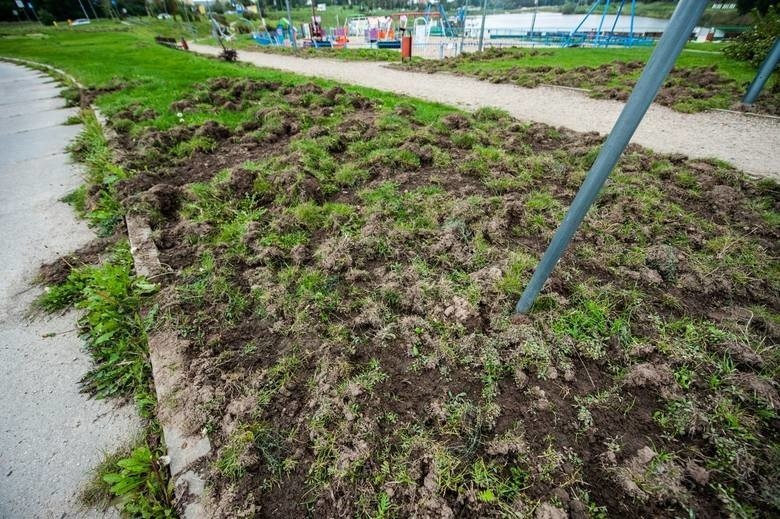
[
  {"x": 340, "y": 37},
  {"x": 318, "y": 38},
  {"x": 446, "y": 27},
  {"x": 283, "y": 31},
  {"x": 265, "y": 37},
  {"x": 222, "y": 35},
  {"x": 602, "y": 38},
  {"x": 220, "y": 32}
]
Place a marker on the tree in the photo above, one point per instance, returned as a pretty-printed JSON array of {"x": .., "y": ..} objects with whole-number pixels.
[
  {"x": 754, "y": 45},
  {"x": 762, "y": 6}
]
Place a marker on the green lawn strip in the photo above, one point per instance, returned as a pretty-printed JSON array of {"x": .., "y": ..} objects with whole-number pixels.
[
  {"x": 593, "y": 57},
  {"x": 155, "y": 76},
  {"x": 347, "y": 262}
]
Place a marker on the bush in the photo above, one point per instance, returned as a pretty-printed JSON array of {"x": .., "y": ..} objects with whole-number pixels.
[
  {"x": 754, "y": 45},
  {"x": 242, "y": 28},
  {"x": 568, "y": 8},
  {"x": 45, "y": 17}
]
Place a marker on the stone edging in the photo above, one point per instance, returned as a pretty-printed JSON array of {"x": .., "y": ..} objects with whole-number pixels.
[{"x": 166, "y": 354}]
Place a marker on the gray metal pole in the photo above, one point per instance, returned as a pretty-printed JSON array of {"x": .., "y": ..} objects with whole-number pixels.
[
  {"x": 462, "y": 27},
  {"x": 661, "y": 62},
  {"x": 33, "y": 12},
  {"x": 766, "y": 69},
  {"x": 601, "y": 23},
  {"x": 482, "y": 28},
  {"x": 92, "y": 8},
  {"x": 83, "y": 10},
  {"x": 292, "y": 26}
]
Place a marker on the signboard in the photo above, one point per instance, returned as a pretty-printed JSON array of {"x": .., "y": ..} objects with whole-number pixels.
[{"x": 321, "y": 7}]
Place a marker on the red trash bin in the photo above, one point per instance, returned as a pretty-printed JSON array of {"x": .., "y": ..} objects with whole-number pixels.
[{"x": 406, "y": 48}]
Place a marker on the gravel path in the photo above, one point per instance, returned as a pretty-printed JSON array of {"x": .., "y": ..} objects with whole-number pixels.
[
  {"x": 748, "y": 142},
  {"x": 51, "y": 436}
]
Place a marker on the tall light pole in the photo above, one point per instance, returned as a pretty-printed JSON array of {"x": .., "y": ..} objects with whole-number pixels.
[
  {"x": 92, "y": 7},
  {"x": 462, "y": 26},
  {"x": 292, "y": 26},
  {"x": 83, "y": 10},
  {"x": 533, "y": 20},
  {"x": 482, "y": 27}
]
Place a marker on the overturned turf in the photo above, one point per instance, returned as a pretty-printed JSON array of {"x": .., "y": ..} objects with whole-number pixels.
[
  {"x": 344, "y": 274},
  {"x": 687, "y": 89}
]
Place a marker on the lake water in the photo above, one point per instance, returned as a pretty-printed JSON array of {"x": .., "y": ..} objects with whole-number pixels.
[{"x": 554, "y": 22}]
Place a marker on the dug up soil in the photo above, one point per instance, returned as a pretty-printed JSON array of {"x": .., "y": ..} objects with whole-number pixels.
[{"x": 344, "y": 272}]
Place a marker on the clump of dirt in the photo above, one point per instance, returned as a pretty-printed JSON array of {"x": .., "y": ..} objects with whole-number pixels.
[
  {"x": 58, "y": 271},
  {"x": 88, "y": 95}
]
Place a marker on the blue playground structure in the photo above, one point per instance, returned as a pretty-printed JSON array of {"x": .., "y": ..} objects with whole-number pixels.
[
  {"x": 447, "y": 29},
  {"x": 265, "y": 37},
  {"x": 602, "y": 38}
]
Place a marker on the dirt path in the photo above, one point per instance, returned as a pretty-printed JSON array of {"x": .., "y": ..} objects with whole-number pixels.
[
  {"x": 749, "y": 143},
  {"x": 51, "y": 436}
]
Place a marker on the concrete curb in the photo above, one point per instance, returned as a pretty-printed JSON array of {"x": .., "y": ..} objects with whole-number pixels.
[{"x": 166, "y": 355}]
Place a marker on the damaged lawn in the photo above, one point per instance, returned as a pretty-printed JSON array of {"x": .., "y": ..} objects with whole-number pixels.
[
  {"x": 700, "y": 80},
  {"x": 343, "y": 267}
]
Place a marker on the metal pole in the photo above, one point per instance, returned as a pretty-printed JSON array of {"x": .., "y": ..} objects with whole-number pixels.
[
  {"x": 32, "y": 9},
  {"x": 601, "y": 23},
  {"x": 92, "y": 8},
  {"x": 533, "y": 20},
  {"x": 574, "y": 31},
  {"x": 766, "y": 69},
  {"x": 292, "y": 25},
  {"x": 631, "y": 26},
  {"x": 482, "y": 28},
  {"x": 614, "y": 23},
  {"x": 83, "y": 10},
  {"x": 661, "y": 62},
  {"x": 463, "y": 27}
]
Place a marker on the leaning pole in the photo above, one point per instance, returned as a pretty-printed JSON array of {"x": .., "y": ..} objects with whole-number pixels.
[
  {"x": 661, "y": 62},
  {"x": 482, "y": 25},
  {"x": 292, "y": 26},
  {"x": 766, "y": 69}
]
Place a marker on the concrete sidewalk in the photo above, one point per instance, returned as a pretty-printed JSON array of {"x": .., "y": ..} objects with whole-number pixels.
[
  {"x": 51, "y": 436},
  {"x": 749, "y": 143}
]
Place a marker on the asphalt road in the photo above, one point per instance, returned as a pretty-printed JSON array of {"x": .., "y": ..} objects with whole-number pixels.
[{"x": 51, "y": 436}]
